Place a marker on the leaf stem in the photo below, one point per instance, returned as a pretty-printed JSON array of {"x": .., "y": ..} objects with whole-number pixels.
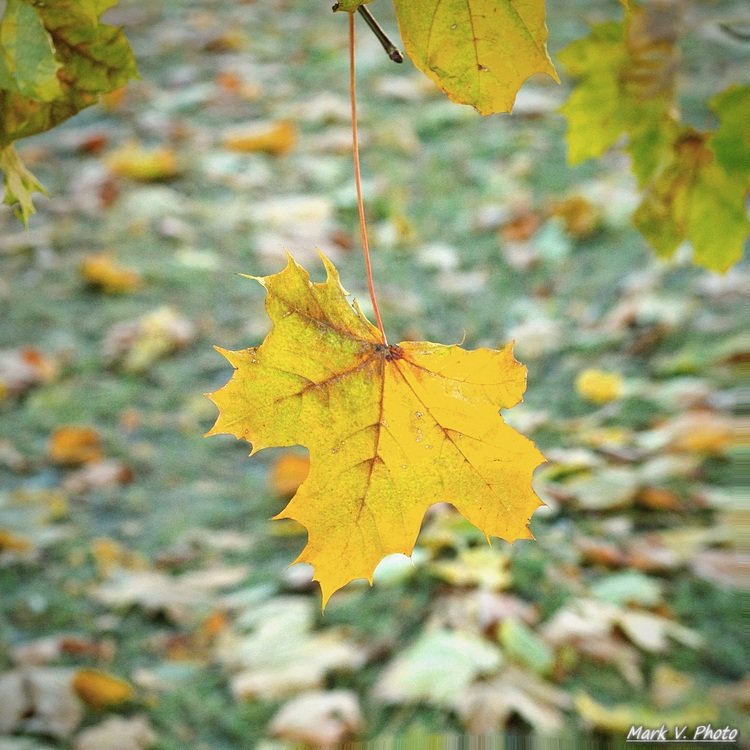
[{"x": 358, "y": 178}]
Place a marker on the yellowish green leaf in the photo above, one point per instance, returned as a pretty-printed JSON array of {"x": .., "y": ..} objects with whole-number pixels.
[
  {"x": 731, "y": 142},
  {"x": 391, "y": 430},
  {"x": 20, "y": 184},
  {"x": 438, "y": 666},
  {"x": 478, "y": 51},
  {"x": 27, "y": 57},
  {"x": 90, "y": 58},
  {"x": 626, "y": 72},
  {"x": 693, "y": 198},
  {"x": 621, "y": 717}
]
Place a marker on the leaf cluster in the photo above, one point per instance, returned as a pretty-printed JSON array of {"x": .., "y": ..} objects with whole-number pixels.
[{"x": 693, "y": 183}]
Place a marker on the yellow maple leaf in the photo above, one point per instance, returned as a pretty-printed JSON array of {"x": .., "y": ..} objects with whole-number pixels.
[
  {"x": 478, "y": 51},
  {"x": 391, "y": 430}
]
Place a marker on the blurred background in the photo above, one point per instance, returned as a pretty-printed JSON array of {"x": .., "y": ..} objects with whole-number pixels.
[{"x": 145, "y": 596}]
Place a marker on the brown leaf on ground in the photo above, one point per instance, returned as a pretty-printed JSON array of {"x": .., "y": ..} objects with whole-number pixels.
[
  {"x": 580, "y": 217},
  {"x": 98, "y": 475},
  {"x": 72, "y": 445},
  {"x": 521, "y": 226},
  {"x": 318, "y": 718},
  {"x": 24, "y": 368},
  {"x": 12, "y": 542},
  {"x": 117, "y": 733},
  {"x": 39, "y": 700}
]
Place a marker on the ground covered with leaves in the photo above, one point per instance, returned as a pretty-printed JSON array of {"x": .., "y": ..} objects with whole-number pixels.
[{"x": 146, "y": 599}]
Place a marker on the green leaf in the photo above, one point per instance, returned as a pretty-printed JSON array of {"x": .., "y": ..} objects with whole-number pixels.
[
  {"x": 624, "y": 76},
  {"x": 594, "y": 111},
  {"x": 650, "y": 144},
  {"x": 478, "y": 51},
  {"x": 731, "y": 142},
  {"x": 27, "y": 57},
  {"x": 92, "y": 58},
  {"x": 694, "y": 198},
  {"x": 19, "y": 183},
  {"x": 437, "y": 666},
  {"x": 523, "y": 645}
]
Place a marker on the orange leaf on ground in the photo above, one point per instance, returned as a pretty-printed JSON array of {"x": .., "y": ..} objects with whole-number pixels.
[
  {"x": 72, "y": 445},
  {"x": 99, "y": 689},
  {"x": 102, "y": 272},
  {"x": 143, "y": 164},
  {"x": 272, "y": 137}
]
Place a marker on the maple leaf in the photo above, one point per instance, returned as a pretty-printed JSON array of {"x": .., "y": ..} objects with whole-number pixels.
[
  {"x": 55, "y": 60},
  {"x": 626, "y": 73},
  {"x": 693, "y": 197},
  {"x": 478, "y": 51},
  {"x": 731, "y": 142},
  {"x": 391, "y": 430}
]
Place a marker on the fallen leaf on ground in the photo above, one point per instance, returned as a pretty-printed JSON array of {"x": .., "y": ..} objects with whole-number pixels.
[
  {"x": 391, "y": 430},
  {"x": 98, "y": 475},
  {"x": 704, "y": 432},
  {"x": 11, "y": 542},
  {"x": 117, "y": 733},
  {"x": 180, "y": 597},
  {"x": 521, "y": 227},
  {"x": 50, "y": 648},
  {"x": 103, "y": 272},
  {"x": 319, "y": 718},
  {"x": 486, "y": 567},
  {"x": 628, "y": 587},
  {"x": 669, "y": 687},
  {"x": 136, "y": 162},
  {"x": 486, "y": 706},
  {"x": 439, "y": 665},
  {"x": 136, "y": 345},
  {"x": 523, "y": 645},
  {"x": 74, "y": 444},
  {"x": 288, "y": 473},
  {"x": 99, "y": 689},
  {"x": 24, "y": 368},
  {"x": 620, "y": 717},
  {"x": 272, "y": 137},
  {"x": 652, "y": 632},
  {"x": 581, "y": 217},
  {"x": 39, "y": 700},
  {"x": 265, "y": 667},
  {"x": 727, "y": 568},
  {"x": 599, "y": 386}
]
